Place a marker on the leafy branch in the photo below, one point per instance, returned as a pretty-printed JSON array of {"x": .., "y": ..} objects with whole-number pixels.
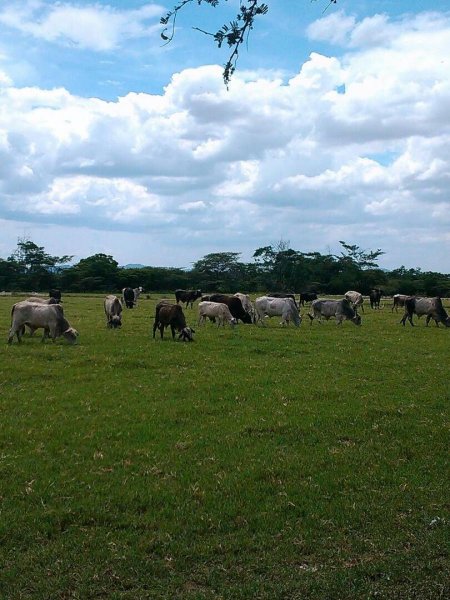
[{"x": 233, "y": 34}]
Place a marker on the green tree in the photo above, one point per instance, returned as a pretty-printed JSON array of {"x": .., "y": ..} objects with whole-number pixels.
[
  {"x": 98, "y": 272},
  {"x": 220, "y": 271},
  {"x": 36, "y": 269}
]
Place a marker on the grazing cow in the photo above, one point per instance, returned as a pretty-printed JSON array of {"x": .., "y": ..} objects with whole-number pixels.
[
  {"x": 187, "y": 296},
  {"x": 56, "y": 294},
  {"x": 399, "y": 300},
  {"x": 172, "y": 314},
  {"x": 431, "y": 307},
  {"x": 137, "y": 292},
  {"x": 128, "y": 297},
  {"x": 247, "y": 304},
  {"x": 283, "y": 295},
  {"x": 375, "y": 297},
  {"x": 213, "y": 311},
  {"x": 283, "y": 307},
  {"x": 355, "y": 298},
  {"x": 235, "y": 306},
  {"x": 307, "y": 297},
  {"x": 113, "y": 311},
  {"x": 340, "y": 309},
  {"x": 49, "y": 317}
]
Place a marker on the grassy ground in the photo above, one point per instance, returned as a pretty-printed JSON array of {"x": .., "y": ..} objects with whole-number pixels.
[{"x": 255, "y": 463}]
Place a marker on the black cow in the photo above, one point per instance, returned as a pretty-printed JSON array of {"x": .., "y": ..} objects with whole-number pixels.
[
  {"x": 307, "y": 297},
  {"x": 128, "y": 297},
  {"x": 235, "y": 305},
  {"x": 375, "y": 297},
  {"x": 187, "y": 296},
  {"x": 56, "y": 294},
  {"x": 172, "y": 314}
]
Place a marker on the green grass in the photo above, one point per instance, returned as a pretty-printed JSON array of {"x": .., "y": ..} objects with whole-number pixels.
[{"x": 255, "y": 463}]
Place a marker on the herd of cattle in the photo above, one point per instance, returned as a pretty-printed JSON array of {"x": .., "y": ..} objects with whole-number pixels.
[{"x": 47, "y": 314}]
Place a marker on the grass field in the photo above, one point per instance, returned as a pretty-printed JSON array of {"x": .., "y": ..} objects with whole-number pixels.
[{"x": 271, "y": 463}]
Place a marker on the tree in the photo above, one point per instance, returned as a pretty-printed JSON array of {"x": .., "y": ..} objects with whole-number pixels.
[
  {"x": 362, "y": 259},
  {"x": 219, "y": 271},
  {"x": 233, "y": 34},
  {"x": 98, "y": 272},
  {"x": 35, "y": 266}
]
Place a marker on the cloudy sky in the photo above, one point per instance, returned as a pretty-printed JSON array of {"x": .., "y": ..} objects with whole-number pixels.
[{"x": 336, "y": 126}]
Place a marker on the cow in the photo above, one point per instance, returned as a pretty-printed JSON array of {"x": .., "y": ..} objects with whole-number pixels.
[
  {"x": 49, "y": 317},
  {"x": 213, "y": 311},
  {"x": 137, "y": 292},
  {"x": 172, "y": 315},
  {"x": 340, "y": 309},
  {"x": 283, "y": 295},
  {"x": 37, "y": 300},
  {"x": 187, "y": 296},
  {"x": 307, "y": 297},
  {"x": 128, "y": 297},
  {"x": 113, "y": 311},
  {"x": 431, "y": 307},
  {"x": 56, "y": 294},
  {"x": 356, "y": 298},
  {"x": 247, "y": 304},
  {"x": 235, "y": 306},
  {"x": 375, "y": 297},
  {"x": 399, "y": 300},
  {"x": 283, "y": 307}
]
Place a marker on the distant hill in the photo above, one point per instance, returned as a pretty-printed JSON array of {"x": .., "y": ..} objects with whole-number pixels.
[{"x": 133, "y": 266}]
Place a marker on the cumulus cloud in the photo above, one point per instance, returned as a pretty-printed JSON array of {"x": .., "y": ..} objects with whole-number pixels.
[
  {"x": 352, "y": 147},
  {"x": 88, "y": 26}
]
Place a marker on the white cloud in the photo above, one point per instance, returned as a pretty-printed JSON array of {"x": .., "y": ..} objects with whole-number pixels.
[
  {"x": 87, "y": 26},
  {"x": 353, "y": 147}
]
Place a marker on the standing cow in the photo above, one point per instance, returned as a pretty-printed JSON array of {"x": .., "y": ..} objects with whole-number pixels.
[
  {"x": 281, "y": 307},
  {"x": 431, "y": 307},
  {"x": 49, "y": 317},
  {"x": 375, "y": 297},
  {"x": 307, "y": 297},
  {"x": 399, "y": 300},
  {"x": 56, "y": 294},
  {"x": 172, "y": 315},
  {"x": 356, "y": 298},
  {"x": 113, "y": 311},
  {"x": 128, "y": 297},
  {"x": 187, "y": 296},
  {"x": 340, "y": 309},
  {"x": 235, "y": 305}
]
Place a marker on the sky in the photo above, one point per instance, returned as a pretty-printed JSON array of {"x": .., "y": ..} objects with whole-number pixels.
[{"x": 336, "y": 126}]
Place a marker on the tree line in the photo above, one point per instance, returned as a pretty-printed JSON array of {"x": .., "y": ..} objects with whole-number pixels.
[{"x": 273, "y": 268}]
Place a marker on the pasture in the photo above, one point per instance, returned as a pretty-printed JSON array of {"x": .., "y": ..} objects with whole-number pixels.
[{"x": 257, "y": 462}]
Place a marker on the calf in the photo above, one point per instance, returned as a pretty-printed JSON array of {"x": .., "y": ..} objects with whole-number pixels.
[
  {"x": 431, "y": 307},
  {"x": 172, "y": 315},
  {"x": 213, "y": 311},
  {"x": 113, "y": 311},
  {"x": 36, "y": 316},
  {"x": 340, "y": 309}
]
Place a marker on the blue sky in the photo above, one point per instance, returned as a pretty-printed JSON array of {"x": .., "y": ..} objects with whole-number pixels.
[{"x": 336, "y": 126}]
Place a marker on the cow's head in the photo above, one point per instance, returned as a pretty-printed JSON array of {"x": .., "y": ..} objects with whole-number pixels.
[
  {"x": 233, "y": 322},
  {"x": 71, "y": 335},
  {"x": 186, "y": 334},
  {"x": 356, "y": 319},
  {"x": 116, "y": 321}
]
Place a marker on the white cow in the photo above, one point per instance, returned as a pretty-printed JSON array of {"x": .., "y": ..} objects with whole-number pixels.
[
  {"x": 340, "y": 309},
  {"x": 431, "y": 307},
  {"x": 113, "y": 311},
  {"x": 356, "y": 298},
  {"x": 285, "y": 308},
  {"x": 50, "y": 317},
  {"x": 215, "y": 310},
  {"x": 247, "y": 304}
]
